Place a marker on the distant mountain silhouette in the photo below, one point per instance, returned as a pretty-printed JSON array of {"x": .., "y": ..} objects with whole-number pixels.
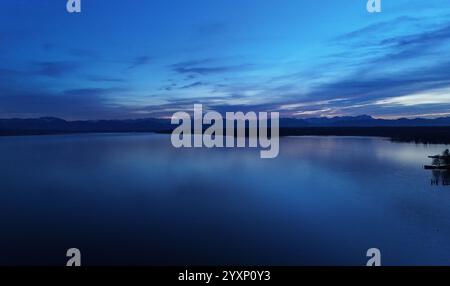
[
  {"x": 363, "y": 121},
  {"x": 51, "y": 125},
  {"x": 418, "y": 130}
]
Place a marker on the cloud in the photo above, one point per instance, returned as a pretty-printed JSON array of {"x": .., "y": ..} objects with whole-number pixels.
[
  {"x": 54, "y": 69},
  {"x": 379, "y": 28},
  {"x": 91, "y": 91},
  {"x": 139, "y": 61},
  {"x": 95, "y": 78},
  {"x": 67, "y": 104},
  {"x": 169, "y": 87},
  {"x": 370, "y": 86},
  {"x": 394, "y": 42},
  {"x": 427, "y": 37},
  {"x": 195, "y": 84},
  {"x": 438, "y": 96},
  {"x": 206, "y": 70},
  {"x": 203, "y": 67}
]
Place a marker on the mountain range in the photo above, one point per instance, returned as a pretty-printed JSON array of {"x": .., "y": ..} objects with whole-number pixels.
[
  {"x": 362, "y": 121},
  {"x": 57, "y": 125},
  {"x": 419, "y": 130}
]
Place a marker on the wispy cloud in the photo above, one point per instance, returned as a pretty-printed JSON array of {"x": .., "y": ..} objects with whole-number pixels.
[
  {"x": 139, "y": 61},
  {"x": 69, "y": 104},
  {"x": 439, "y": 96},
  {"x": 55, "y": 69},
  {"x": 206, "y": 67},
  {"x": 106, "y": 79},
  {"x": 192, "y": 85}
]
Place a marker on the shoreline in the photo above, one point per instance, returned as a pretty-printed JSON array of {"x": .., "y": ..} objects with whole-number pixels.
[{"x": 418, "y": 135}]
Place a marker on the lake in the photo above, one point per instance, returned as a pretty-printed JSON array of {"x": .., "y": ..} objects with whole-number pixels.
[{"x": 132, "y": 199}]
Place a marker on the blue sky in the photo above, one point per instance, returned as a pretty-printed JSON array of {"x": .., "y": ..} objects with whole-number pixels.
[{"x": 151, "y": 58}]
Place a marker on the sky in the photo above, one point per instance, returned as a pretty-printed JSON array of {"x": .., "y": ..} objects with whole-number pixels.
[{"x": 151, "y": 58}]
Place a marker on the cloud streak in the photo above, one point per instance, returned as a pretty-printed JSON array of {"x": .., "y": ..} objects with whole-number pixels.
[{"x": 139, "y": 62}]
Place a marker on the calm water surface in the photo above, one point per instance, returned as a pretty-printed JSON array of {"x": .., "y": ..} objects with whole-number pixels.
[{"x": 135, "y": 200}]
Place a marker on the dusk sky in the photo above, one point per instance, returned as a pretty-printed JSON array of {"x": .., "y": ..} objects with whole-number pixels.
[{"x": 149, "y": 58}]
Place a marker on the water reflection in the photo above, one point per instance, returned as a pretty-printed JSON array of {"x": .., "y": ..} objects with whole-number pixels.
[
  {"x": 440, "y": 168},
  {"x": 133, "y": 199},
  {"x": 440, "y": 177}
]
